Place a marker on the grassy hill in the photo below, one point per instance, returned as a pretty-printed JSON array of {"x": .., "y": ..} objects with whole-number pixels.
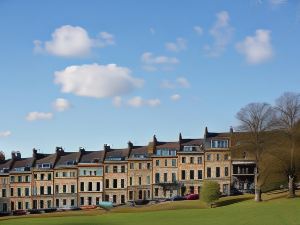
[{"x": 275, "y": 210}]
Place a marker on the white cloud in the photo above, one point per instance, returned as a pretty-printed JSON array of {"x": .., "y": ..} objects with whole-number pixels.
[
  {"x": 175, "y": 97},
  {"x": 153, "y": 102},
  {"x": 177, "y": 46},
  {"x": 99, "y": 81},
  {"x": 136, "y": 101},
  {"x": 168, "y": 84},
  {"x": 152, "y": 62},
  {"x": 149, "y": 58},
  {"x": 72, "y": 41},
  {"x": 5, "y": 133},
  {"x": 105, "y": 39},
  {"x": 139, "y": 101},
  {"x": 152, "y": 30},
  {"x": 180, "y": 82},
  {"x": 183, "y": 82},
  {"x": 117, "y": 101},
  {"x": 198, "y": 30},
  {"x": 276, "y": 3},
  {"x": 32, "y": 116},
  {"x": 258, "y": 48},
  {"x": 61, "y": 104},
  {"x": 222, "y": 34}
]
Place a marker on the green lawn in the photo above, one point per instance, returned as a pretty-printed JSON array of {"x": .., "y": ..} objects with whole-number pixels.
[{"x": 275, "y": 211}]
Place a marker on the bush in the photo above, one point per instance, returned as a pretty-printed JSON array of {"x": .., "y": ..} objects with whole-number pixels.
[{"x": 210, "y": 192}]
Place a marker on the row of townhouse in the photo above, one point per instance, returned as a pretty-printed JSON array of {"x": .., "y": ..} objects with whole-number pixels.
[{"x": 156, "y": 171}]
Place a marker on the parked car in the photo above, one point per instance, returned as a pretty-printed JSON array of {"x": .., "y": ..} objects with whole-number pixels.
[
  {"x": 49, "y": 210},
  {"x": 35, "y": 211},
  {"x": 141, "y": 202},
  {"x": 87, "y": 207},
  {"x": 235, "y": 191},
  {"x": 74, "y": 208},
  {"x": 19, "y": 212},
  {"x": 106, "y": 205},
  {"x": 192, "y": 197},
  {"x": 4, "y": 214},
  {"x": 178, "y": 198}
]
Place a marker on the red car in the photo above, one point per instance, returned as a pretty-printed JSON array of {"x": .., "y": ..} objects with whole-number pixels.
[
  {"x": 192, "y": 197},
  {"x": 19, "y": 212}
]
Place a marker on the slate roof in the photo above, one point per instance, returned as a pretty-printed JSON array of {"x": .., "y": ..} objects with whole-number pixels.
[
  {"x": 192, "y": 142},
  {"x": 139, "y": 150},
  {"x": 6, "y": 164},
  {"x": 23, "y": 162},
  {"x": 173, "y": 145},
  {"x": 218, "y": 135},
  {"x": 67, "y": 157},
  {"x": 92, "y": 157},
  {"x": 50, "y": 158},
  {"x": 117, "y": 153}
]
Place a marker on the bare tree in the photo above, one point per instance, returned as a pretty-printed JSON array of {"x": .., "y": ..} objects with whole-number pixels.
[
  {"x": 256, "y": 119},
  {"x": 288, "y": 116}
]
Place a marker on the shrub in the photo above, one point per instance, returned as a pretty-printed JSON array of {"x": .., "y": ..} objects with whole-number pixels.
[{"x": 210, "y": 192}]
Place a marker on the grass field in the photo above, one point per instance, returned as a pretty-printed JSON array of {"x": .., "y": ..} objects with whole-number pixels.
[{"x": 275, "y": 210}]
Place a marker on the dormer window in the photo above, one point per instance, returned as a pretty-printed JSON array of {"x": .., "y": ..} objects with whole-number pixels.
[
  {"x": 44, "y": 166},
  {"x": 219, "y": 143},
  {"x": 139, "y": 156},
  {"x": 115, "y": 158},
  {"x": 71, "y": 162},
  {"x": 189, "y": 148},
  {"x": 166, "y": 152}
]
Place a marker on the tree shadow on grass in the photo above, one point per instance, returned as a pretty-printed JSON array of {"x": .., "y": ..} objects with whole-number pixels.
[
  {"x": 233, "y": 201},
  {"x": 279, "y": 194}
]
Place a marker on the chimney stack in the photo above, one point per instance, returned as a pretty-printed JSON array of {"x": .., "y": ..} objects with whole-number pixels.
[
  {"x": 130, "y": 145},
  {"x": 180, "y": 137},
  {"x": 15, "y": 155},
  {"x": 106, "y": 147},
  {"x": 154, "y": 140},
  {"x": 81, "y": 149},
  {"x": 2, "y": 156},
  {"x": 205, "y": 133},
  {"x": 59, "y": 150}
]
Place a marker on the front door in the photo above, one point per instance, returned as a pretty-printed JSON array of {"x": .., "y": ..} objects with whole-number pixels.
[
  {"x": 183, "y": 190},
  {"x": 192, "y": 189}
]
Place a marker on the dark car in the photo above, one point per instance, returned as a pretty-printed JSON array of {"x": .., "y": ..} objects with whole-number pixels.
[
  {"x": 235, "y": 191},
  {"x": 178, "y": 198},
  {"x": 4, "y": 214},
  {"x": 35, "y": 211},
  {"x": 141, "y": 202},
  {"x": 192, "y": 197},
  {"x": 19, "y": 212}
]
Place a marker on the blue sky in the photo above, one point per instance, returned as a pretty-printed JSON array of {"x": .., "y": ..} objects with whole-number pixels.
[{"x": 85, "y": 73}]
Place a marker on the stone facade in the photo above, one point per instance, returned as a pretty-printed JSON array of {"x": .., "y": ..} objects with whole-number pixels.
[
  {"x": 20, "y": 190},
  {"x": 218, "y": 159},
  {"x": 5, "y": 166},
  {"x": 90, "y": 185},
  {"x": 65, "y": 187},
  {"x": 158, "y": 170},
  {"x": 139, "y": 179},
  {"x": 115, "y": 178},
  {"x": 4, "y": 193},
  {"x": 90, "y": 178},
  {"x": 42, "y": 189}
]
